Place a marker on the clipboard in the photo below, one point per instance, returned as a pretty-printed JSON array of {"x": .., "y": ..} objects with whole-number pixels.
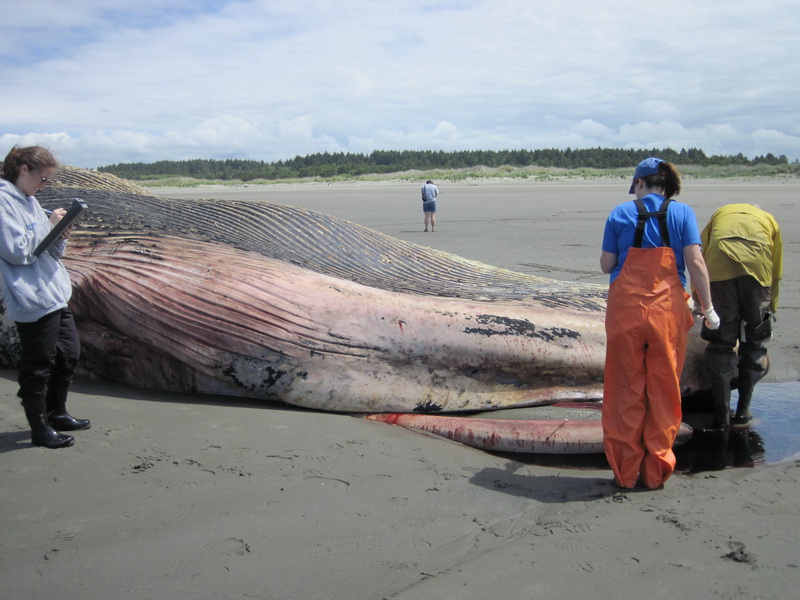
[{"x": 75, "y": 211}]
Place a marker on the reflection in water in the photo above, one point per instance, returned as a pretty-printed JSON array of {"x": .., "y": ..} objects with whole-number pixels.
[{"x": 714, "y": 450}]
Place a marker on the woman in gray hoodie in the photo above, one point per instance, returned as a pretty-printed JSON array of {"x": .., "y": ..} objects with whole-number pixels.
[{"x": 36, "y": 291}]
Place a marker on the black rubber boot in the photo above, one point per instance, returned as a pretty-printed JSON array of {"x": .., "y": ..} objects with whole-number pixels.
[
  {"x": 42, "y": 434},
  {"x": 747, "y": 382},
  {"x": 720, "y": 364},
  {"x": 57, "y": 413},
  {"x": 721, "y": 396}
]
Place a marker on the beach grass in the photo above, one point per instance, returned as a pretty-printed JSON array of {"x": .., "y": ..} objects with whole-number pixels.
[{"x": 532, "y": 174}]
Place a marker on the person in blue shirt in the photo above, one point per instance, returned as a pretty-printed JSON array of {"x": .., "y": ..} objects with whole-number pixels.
[
  {"x": 429, "y": 194},
  {"x": 36, "y": 291},
  {"x": 647, "y": 246}
]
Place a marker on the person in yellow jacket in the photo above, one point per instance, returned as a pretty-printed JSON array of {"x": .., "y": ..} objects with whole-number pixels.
[{"x": 743, "y": 251}]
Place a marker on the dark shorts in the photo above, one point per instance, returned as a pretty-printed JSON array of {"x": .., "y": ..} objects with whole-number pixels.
[
  {"x": 429, "y": 206},
  {"x": 741, "y": 304}
]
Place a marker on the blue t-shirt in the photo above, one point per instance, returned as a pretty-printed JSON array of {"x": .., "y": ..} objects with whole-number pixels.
[{"x": 621, "y": 227}]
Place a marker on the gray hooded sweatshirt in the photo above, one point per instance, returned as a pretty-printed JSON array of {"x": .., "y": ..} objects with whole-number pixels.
[{"x": 33, "y": 286}]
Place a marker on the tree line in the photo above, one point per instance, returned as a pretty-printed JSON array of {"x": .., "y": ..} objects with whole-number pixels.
[{"x": 344, "y": 164}]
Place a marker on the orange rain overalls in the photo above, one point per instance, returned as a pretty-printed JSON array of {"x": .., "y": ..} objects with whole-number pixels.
[{"x": 647, "y": 325}]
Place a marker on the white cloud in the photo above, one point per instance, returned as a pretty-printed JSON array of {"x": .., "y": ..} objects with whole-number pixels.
[{"x": 269, "y": 79}]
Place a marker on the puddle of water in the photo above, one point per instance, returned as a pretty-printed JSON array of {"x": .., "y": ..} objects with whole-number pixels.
[
  {"x": 774, "y": 436},
  {"x": 776, "y": 407}
]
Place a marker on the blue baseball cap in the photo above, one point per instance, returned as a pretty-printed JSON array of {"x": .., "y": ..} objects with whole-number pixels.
[{"x": 649, "y": 166}]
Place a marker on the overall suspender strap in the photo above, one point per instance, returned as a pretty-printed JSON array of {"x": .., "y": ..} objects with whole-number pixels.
[{"x": 644, "y": 215}]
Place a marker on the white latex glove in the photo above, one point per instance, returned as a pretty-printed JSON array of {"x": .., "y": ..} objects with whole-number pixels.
[{"x": 712, "y": 319}]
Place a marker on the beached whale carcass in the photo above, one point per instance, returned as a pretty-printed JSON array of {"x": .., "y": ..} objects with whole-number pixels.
[{"x": 261, "y": 300}]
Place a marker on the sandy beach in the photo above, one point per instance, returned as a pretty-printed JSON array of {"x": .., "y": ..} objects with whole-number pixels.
[{"x": 209, "y": 497}]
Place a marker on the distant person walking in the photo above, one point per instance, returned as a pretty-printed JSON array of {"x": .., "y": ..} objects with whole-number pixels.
[
  {"x": 647, "y": 245},
  {"x": 743, "y": 249},
  {"x": 429, "y": 194}
]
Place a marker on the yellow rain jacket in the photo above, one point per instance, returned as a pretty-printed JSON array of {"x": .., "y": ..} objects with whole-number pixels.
[{"x": 742, "y": 239}]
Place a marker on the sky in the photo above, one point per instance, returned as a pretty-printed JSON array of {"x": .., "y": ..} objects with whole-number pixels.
[{"x": 102, "y": 82}]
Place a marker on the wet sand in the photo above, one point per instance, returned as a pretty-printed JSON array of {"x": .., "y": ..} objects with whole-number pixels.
[{"x": 178, "y": 496}]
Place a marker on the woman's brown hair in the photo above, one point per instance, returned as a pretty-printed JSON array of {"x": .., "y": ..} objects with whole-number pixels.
[
  {"x": 668, "y": 177},
  {"x": 34, "y": 157}
]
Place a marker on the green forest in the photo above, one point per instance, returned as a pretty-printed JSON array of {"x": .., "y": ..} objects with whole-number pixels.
[{"x": 380, "y": 162}]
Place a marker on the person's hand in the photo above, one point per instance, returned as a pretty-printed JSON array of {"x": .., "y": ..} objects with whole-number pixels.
[
  {"x": 57, "y": 215},
  {"x": 712, "y": 319}
]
